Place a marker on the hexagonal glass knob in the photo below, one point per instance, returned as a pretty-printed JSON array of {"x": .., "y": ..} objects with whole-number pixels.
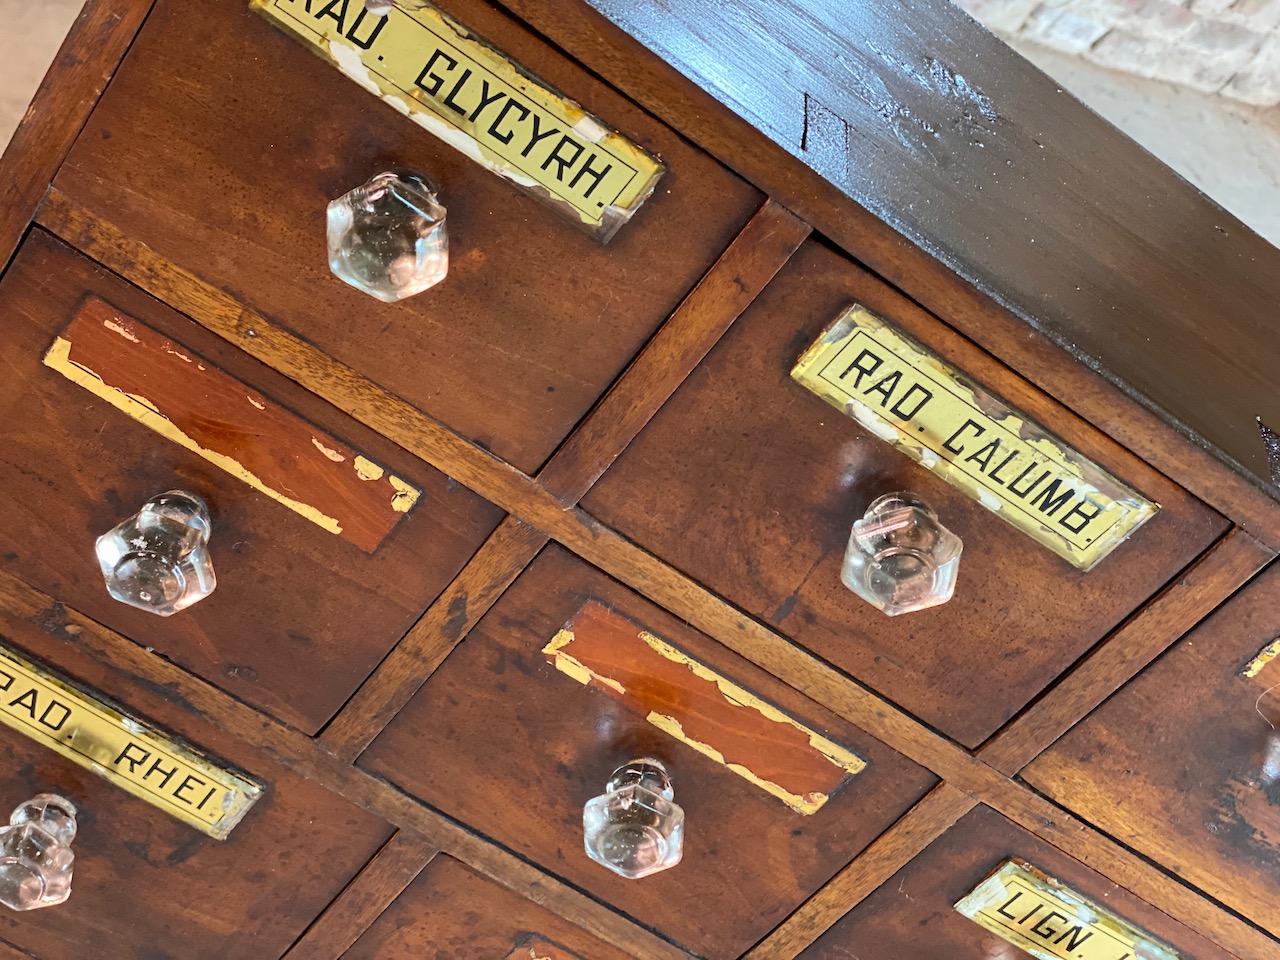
[
  {"x": 158, "y": 560},
  {"x": 900, "y": 558},
  {"x": 35, "y": 853},
  {"x": 633, "y": 828},
  {"x": 388, "y": 237}
]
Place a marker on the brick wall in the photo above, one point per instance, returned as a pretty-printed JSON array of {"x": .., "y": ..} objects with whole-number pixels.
[{"x": 1231, "y": 47}]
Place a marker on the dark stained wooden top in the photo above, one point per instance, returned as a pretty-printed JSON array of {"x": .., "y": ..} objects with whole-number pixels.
[{"x": 916, "y": 113}]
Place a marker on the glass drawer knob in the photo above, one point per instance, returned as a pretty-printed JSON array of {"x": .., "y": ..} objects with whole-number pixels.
[
  {"x": 158, "y": 560},
  {"x": 634, "y": 828},
  {"x": 35, "y": 853},
  {"x": 388, "y": 237},
  {"x": 900, "y": 558}
]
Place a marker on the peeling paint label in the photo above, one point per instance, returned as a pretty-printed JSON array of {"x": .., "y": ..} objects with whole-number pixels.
[
  {"x": 701, "y": 709},
  {"x": 1025, "y": 907},
  {"x": 134, "y": 756},
  {"x": 1264, "y": 657},
  {"x": 443, "y": 77},
  {"x": 530, "y": 946},
  {"x": 934, "y": 414}
]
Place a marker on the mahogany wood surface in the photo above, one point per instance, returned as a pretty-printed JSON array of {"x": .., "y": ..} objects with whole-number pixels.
[
  {"x": 496, "y": 714},
  {"x": 279, "y": 630},
  {"x": 911, "y": 916},
  {"x": 749, "y": 483},
  {"x": 535, "y": 318},
  {"x": 1183, "y": 764}
]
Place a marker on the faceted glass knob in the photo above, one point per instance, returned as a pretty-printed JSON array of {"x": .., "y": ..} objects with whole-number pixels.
[
  {"x": 158, "y": 560},
  {"x": 35, "y": 853},
  {"x": 388, "y": 237},
  {"x": 633, "y": 828},
  {"x": 900, "y": 558}
]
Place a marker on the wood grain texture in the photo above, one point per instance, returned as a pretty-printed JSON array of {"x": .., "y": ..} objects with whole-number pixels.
[
  {"x": 451, "y": 912},
  {"x": 191, "y": 707},
  {"x": 70, "y": 91},
  {"x": 928, "y": 276},
  {"x": 495, "y": 713},
  {"x": 279, "y": 631},
  {"x": 382, "y": 880},
  {"x": 749, "y": 483},
  {"x": 1194, "y": 595},
  {"x": 145, "y": 881},
  {"x": 767, "y": 241},
  {"x": 892, "y": 850},
  {"x": 1183, "y": 763},
  {"x": 911, "y": 916},
  {"x": 187, "y": 400},
  {"x": 605, "y": 549},
  {"x": 535, "y": 318}
]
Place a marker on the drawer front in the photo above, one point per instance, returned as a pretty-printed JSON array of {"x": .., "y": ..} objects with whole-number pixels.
[
  {"x": 221, "y": 141},
  {"x": 450, "y": 911},
  {"x": 913, "y": 915},
  {"x": 145, "y": 883},
  {"x": 112, "y": 398},
  {"x": 1183, "y": 764},
  {"x": 571, "y": 675},
  {"x": 749, "y": 483}
]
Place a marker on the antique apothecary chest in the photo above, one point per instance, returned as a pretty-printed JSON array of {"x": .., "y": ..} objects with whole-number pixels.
[{"x": 576, "y": 479}]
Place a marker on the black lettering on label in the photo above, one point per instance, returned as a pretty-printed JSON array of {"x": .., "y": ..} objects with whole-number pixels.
[
  {"x": 1048, "y": 933},
  {"x": 983, "y": 457},
  {"x": 449, "y": 101},
  {"x": 561, "y": 163},
  {"x": 863, "y": 371},
  {"x": 995, "y": 474},
  {"x": 1034, "y": 910},
  {"x": 1009, "y": 903},
  {"x": 165, "y": 774},
  {"x": 1023, "y": 494},
  {"x": 485, "y": 99},
  {"x": 127, "y": 755},
  {"x": 26, "y": 702},
  {"x": 1048, "y": 501},
  {"x": 898, "y": 409},
  {"x": 188, "y": 782},
  {"x": 6, "y": 680},
  {"x": 1073, "y": 934},
  {"x": 537, "y": 136},
  {"x": 55, "y": 715},
  {"x": 328, "y": 11},
  {"x": 505, "y": 136},
  {"x": 207, "y": 797},
  {"x": 1081, "y": 510},
  {"x": 437, "y": 81},
  {"x": 367, "y": 42},
  {"x": 589, "y": 170},
  {"x": 974, "y": 425},
  {"x": 885, "y": 387}
]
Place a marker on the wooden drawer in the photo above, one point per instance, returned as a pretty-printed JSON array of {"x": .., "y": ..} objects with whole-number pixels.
[
  {"x": 557, "y": 686},
  {"x": 279, "y": 631},
  {"x": 221, "y": 140},
  {"x": 1183, "y": 764},
  {"x": 912, "y": 916},
  {"x": 749, "y": 483},
  {"x": 148, "y": 885},
  {"x": 450, "y": 911}
]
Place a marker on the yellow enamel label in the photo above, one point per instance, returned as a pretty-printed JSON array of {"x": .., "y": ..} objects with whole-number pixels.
[
  {"x": 132, "y": 755},
  {"x": 934, "y": 414},
  {"x": 441, "y": 76},
  {"x": 1023, "y": 906}
]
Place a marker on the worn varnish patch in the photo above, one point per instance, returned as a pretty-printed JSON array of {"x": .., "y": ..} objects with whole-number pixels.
[
  {"x": 188, "y": 400},
  {"x": 697, "y": 706}
]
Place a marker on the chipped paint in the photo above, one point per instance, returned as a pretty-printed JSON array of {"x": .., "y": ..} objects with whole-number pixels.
[
  {"x": 1025, "y": 907},
  {"x": 1264, "y": 657},
  {"x": 598, "y": 631},
  {"x": 531, "y": 946},
  {"x": 88, "y": 730},
  {"x": 430, "y": 68},
  {"x": 931, "y": 412},
  {"x": 203, "y": 410}
]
